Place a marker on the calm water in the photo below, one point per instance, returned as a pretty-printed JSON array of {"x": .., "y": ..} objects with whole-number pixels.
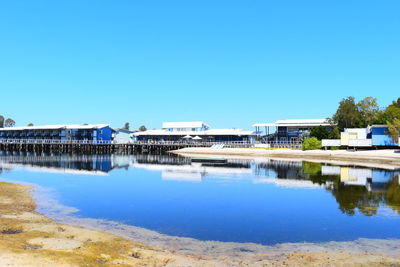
[{"x": 264, "y": 202}]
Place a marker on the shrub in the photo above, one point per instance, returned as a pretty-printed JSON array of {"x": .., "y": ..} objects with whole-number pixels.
[
  {"x": 320, "y": 132},
  {"x": 312, "y": 143}
]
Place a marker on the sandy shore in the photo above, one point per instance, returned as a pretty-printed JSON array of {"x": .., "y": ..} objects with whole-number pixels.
[
  {"x": 27, "y": 238},
  {"x": 387, "y": 157}
]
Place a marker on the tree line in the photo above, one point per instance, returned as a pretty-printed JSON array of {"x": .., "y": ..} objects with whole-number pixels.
[
  {"x": 6, "y": 122},
  {"x": 127, "y": 126},
  {"x": 361, "y": 114}
]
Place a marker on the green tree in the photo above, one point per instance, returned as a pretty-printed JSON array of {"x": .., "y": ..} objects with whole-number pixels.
[
  {"x": 391, "y": 113},
  {"x": 348, "y": 114},
  {"x": 369, "y": 110},
  {"x": 312, "y": 143},
  {"x": 320, "y": 132},
  {"x": 30, "y": 124},
  {"x": 1, "y": 121},
  {"x": 335, "y": 133},
  {"x": 9, "y": 123},
  {"x": 126, "y": 126},
  {"x": 142, "y": 128},
  {"x": 394, "y": 130}
]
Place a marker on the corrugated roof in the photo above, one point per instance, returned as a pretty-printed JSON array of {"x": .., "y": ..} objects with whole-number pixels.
[
  {"x": 56, "y": 127},
  {"x": 264, "y": 125},
  {"x": 183, "y": 124},
  {"x": 296, "y": 122},
  {"x": 238, "y": 132}
]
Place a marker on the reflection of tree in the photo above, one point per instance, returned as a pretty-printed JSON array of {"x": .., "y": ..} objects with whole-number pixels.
[
  {"x": 313, "y": 171},
  {"x": 393, "y": 194},
  {"x": 349, "y": 197},
  {"x": 312, "y": 167}
]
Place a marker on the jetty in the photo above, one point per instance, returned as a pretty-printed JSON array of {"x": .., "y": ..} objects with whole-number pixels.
[{"x": 104, "y": 147}]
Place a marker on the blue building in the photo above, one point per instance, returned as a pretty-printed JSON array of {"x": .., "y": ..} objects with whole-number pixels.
[
  {"x": 74, "y": 132},
  {"x": 380, "y": 136}
]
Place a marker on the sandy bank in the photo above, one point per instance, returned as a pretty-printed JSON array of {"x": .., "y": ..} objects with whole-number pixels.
[
  {"x": 28, "y": 238},
  {"x": 387, "y": 157}
]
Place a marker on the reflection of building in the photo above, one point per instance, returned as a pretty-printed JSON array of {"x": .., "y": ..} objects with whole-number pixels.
[
  {"x": 279, "y": 168},
  {"x": 181, "y": 176},
  {"x": 372, "y": 179},
  {"x": 355, "y": 176},
  {"x": 289, "y": 183},
  {"x": 76, "y": 164},
  {"x": 195, "y": 171},
  {"x": 121, "y": 161}
]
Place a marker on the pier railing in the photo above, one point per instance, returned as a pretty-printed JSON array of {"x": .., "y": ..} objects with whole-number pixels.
[
  {"x": 285, "y": 144},
  {"x": 196, "y": 143},
  {"x": 54, "y": 141},
  {"x": 183, "y": 143},
  {"x": 102, "y": 142}
]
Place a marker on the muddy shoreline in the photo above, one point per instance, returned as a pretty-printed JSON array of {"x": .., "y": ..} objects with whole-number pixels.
[{"x": 29, "y": 238}]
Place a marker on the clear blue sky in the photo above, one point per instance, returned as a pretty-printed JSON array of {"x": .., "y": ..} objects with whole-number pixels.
[{"x": 229, "y": 63}]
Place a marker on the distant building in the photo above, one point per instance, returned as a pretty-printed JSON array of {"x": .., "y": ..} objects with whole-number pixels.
[
  {"x": 72, "y": 132},
  {"x": 289, "y": 130},
  {"x": 380, "y": 136},
  {"x": 193, "y": 131},
  {"x": 355, "y": 136},
  {"x": 191, "y": 126},
  {"x": 123, "y": 136},
  {"x": 372, "y": 136}
]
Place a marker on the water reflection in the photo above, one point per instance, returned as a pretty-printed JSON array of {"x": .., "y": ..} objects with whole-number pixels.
[
  {"x": 354, "y": 188},
  {"x": 80, "y": 164}
]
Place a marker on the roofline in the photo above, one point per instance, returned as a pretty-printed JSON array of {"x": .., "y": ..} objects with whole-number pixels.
[
  {"x": 202, "y": 122},
  {"x": 296, "y": 122},
  {"x": 55, "y": 127},
  {"x": 194, "y": 133},
  {"x": 379, "y": 126}
]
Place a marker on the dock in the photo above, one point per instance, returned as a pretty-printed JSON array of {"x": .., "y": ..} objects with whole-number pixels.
[{"x": 102, "y": 147}]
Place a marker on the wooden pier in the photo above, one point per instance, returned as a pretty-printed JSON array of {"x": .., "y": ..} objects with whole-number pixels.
[{"x": 102, "y": 147}]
